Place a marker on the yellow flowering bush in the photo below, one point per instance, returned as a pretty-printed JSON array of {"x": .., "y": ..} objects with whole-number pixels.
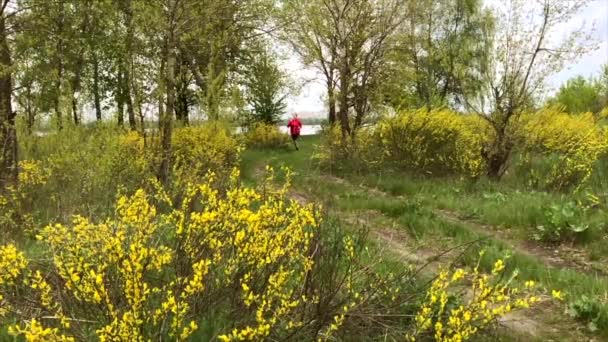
[
  {"x": 17, "y": 201},
  {"x": 570, "y": 143},
  {"x": 199, "y": 149},
  {"x": 12, "y": 264},
  {"x": 358, "y": 152},
  {"x": 136, "y": 158},
  {"x": 266, "y": 136},
  {"x": 434, "y": 141},
  {"x": 451, "y": 316},
  {"x": 145, "y": 274}
]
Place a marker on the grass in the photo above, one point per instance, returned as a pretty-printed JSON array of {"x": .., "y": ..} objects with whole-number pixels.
[{"x": 412, "y": 201}]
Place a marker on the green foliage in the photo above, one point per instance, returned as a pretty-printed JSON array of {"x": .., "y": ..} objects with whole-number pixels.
[
  {"x": 561, "y": 222},
  {"x": 443, "y": 42},
  {"x": 580, "y": 95},
  {"x": 587, "y": 310},
  {"x": 266, "y": 89}
]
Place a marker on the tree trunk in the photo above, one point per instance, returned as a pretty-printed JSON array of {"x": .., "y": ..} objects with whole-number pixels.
[
  {"x": 96, "y": 95},
  {"x": 128, "y": 72},
  {"x": 129, "y": 100},
  {"x": 497, "y": 156},
  {"x": 29, "y": 111},
  {"x": 331, "y": 95},
  {"x": 8, "y": 133},
  {"x": 165, "y": 120},
  {"x": 59, "y": 67},
  {"x": 344, "y": 105},
  {"x": 57, "y": 98},
  {"x": 120, "y": 100},
  {"x": 75, "y": 109}
]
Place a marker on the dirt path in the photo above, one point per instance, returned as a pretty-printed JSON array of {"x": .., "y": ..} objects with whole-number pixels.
[
  {"x": 544, "y": 322},
  {"x": 555, "y": 256}
]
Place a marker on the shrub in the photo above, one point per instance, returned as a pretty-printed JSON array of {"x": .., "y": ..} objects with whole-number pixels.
[
  {"x": 143, "y": 274},
  {"x": 586, "y": 310},
  {"x": 355, "y": 153},
  {"x": 447, "y": 316},
  {"x": 561, "y": 223},
  {"x": 559, "y": 150},
  {"x": 266, "y": 136},
  {"x": 17, "y": 202},
  {"x": 434, "y": 141},
  {"x": 246, "y": 264},
  {"x": 198, "y": 150},
  {"x": 85, "y": 168}
]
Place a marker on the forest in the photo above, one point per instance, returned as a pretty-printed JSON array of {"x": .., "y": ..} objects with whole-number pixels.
[{"x": 149, "y": 192}]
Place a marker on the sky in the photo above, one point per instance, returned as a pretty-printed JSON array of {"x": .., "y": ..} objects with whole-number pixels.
[{"x": 312, "y": 92}]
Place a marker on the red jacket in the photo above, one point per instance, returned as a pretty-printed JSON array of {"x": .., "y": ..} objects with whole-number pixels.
[{"x": 294, "y": 126}]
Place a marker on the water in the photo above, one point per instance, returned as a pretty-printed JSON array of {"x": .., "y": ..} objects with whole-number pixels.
[{"x": 306, "y": 129}]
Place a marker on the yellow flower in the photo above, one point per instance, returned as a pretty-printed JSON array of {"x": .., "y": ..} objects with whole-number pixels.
[{"x": 557, "y": 294}]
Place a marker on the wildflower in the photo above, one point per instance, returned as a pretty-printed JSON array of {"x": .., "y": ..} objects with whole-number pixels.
[{"x": 557, "y": 294}]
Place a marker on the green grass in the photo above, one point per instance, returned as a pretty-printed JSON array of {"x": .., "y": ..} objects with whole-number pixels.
[{"x": 411, "y": 202}]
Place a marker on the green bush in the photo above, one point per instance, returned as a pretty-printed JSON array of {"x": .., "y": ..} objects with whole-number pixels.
[
  {"x": 586, "y": 310},
  {"x": 561, "y": 223}
]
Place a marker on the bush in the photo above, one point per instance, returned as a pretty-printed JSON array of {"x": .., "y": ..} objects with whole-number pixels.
[
  {"x": 561, "y": 223},
  {"x": 437, "y": 142},
  {"x": 17, "y": 202},
  {"x": 559, "y": 150},
  {"x": 198, "y": 150},
  {"x": 262, "y": 135},
  {"x": 145, "y": 274},
  {"x": 336, "y": 152},
  {"x": 84, "y": 169},
  {"x": 446, "y": 315},
  {"x": 434, "y": 141}
]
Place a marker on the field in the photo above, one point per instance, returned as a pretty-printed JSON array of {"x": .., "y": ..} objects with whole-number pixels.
[{"x": 435, "y": 222}]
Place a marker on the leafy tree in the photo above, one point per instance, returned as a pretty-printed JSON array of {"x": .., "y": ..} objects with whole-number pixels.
[
  {"x": 437, "y": 45},
  {"x": 266, "y": 87},
  {"x": 8, "y": 134},
  {"x": 308, "y": 30},
  {"x": 580, "y": 95},
  {"x": 349, "y": 41},
  {"x": 520, "y": 61}
]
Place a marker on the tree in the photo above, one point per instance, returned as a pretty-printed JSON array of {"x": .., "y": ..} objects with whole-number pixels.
[
  {"x": 580, "y": 95},
  {"x": 266, "y": 89},
  {"x": 437, "y": 45},
  {"x": 348, "y": 40},
  {"x": 8, "y": 134},
  {"x": 215, "y": 47},
  {"x": 308, "y": 30},
  {"x": 522, "y": 57}
]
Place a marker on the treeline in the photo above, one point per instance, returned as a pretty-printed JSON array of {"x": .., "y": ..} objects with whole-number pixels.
[
  {"x": 491, "y": 62},
  {"x": 130, "y": 60}
]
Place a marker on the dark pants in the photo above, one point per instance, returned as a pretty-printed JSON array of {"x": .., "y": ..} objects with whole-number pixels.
[{"x": 295, "y": 137}]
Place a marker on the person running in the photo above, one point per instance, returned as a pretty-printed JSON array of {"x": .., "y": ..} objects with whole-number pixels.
[{"x": 294, "y": 126}]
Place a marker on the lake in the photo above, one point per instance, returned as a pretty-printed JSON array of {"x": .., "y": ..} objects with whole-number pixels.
[{"x": 306, "y": 129}]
